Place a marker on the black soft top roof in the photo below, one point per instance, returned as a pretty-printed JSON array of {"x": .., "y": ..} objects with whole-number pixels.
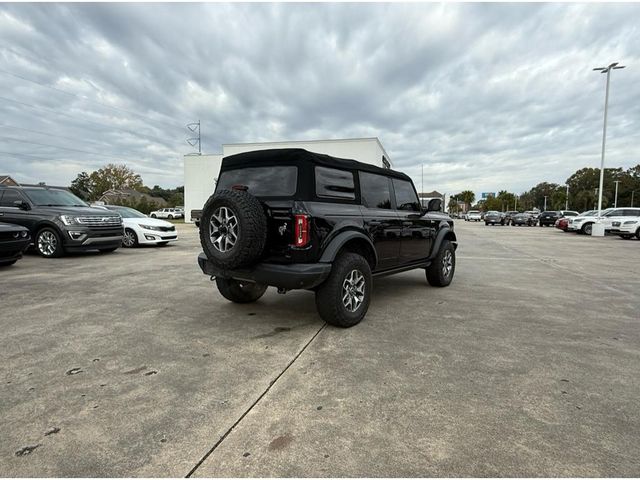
[{"x": 297, "y": 156}]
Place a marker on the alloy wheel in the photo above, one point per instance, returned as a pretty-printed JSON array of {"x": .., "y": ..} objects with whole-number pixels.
[
  {"x": 447, "y": 263},
  {"x": 353, "y": 290},
  {"x": 47, "y": 243},
  {"x": 129, "y": 239},
  {"x": 223, "y": 229}
]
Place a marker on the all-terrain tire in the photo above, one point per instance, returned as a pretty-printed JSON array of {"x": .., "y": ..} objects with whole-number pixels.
[
  {"x": 330, "y": 296},
  {"x": 241, "y": 237},
  {"x": 240, "y": 292},
  {"x": 440, "y": 272}
]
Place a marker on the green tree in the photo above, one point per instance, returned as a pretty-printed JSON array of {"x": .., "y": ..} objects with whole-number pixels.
[
  {"x": 467, "y": 196},
  {"x": 113, "y": 176},
  {"x": 82, "y": 186}
]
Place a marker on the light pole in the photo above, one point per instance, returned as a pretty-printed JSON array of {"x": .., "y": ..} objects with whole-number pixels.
[
  {"x": 632, "y": 192},
  {"x": 615, "y": 202},
  {"x": 566, "y": 200},
  {"x": 607, "y": 70},
  {"x": 545, "y": 203}
]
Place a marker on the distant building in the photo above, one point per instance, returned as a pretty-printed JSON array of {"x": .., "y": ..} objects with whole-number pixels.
[
  {"x": 425, "y": 197},
  {"x": 111, "y": 197},
  {"x": 8, "y": 181}
]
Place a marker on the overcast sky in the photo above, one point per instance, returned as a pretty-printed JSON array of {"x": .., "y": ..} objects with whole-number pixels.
[{"x": 486, "y": 96}]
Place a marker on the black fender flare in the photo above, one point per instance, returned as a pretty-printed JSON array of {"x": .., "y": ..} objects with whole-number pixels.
[
  {"x": 340, "y": 240},
  {"x": 443, "y": 234}
]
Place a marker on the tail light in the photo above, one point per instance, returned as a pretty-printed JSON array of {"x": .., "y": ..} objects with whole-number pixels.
[{"x": 301, "y": 230}]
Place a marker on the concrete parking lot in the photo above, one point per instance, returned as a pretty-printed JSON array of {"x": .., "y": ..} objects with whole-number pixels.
[{"x": 132, "y": 364}]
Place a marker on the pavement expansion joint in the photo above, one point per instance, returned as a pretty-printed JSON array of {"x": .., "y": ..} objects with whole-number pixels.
[{"x": 260, "y": 397}]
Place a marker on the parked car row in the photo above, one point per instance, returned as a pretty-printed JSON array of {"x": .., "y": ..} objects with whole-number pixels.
[
  {"x": 624, "y": 222},
  {"x": 55, "y": 221}
]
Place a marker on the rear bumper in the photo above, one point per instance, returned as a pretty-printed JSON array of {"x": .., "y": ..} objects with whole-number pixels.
[{"x": 289, "y": 277}]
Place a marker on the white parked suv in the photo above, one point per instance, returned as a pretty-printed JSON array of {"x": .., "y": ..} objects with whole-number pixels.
[
  {"x": 142, "y": 230},
  {"x": 474, "y": 216},
  {"x": 169, "y": 213},
  {"x": 627, "y": 225},
  {"x": 583, "y": 223}
]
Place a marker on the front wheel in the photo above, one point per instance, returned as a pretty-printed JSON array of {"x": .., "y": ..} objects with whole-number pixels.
[
  {"x": 48, "y": 243},
  {"x": 587, "y": 229},
  {"x": 240, "y": 292},
  {"x": 343, "y": 299},
  {"x": 130, "y": 239},
  {"x": 170, "y": 217},
  {"x": 440, "y": 272},
  {"x": 153, "y": 215}
]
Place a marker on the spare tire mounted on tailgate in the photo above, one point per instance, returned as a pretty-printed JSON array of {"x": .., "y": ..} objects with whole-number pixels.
[{"x": 233, "y": 229}]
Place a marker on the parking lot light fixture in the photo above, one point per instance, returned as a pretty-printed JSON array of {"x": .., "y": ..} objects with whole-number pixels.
[
  {"x": 566, "y": 199},
  {"x": 598, "y": 229},
  {"x": 615, "y": 202}
]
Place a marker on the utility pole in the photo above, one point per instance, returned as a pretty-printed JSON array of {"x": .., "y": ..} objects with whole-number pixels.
[
  {"x": 607, "y": 70},
  {"x": 195, "y": 128},
  {"x": 615, "y": 203},
  {"x": 566, "y": 200}
]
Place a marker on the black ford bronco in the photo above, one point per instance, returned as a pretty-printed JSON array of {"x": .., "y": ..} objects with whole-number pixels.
[{"x": 294, "y": 219}]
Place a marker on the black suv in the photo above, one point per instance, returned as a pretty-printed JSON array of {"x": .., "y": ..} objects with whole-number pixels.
[
  {"x": 59, "y": 221},
  {"x": 293, "y": 219},
  {"x": 548, "y": 218}
]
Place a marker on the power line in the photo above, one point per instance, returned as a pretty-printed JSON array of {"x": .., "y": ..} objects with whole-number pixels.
[
  {"x": 59, "y": 147},
  {"x": 84, "y": 120},
  {"x": 83, "y": 97},
  {"x": 49, "y": 134},
  {"x": 139, "y": 169}
]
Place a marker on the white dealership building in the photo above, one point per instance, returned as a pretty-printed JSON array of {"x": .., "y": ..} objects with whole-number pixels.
[{"x": 201, "y": 171}]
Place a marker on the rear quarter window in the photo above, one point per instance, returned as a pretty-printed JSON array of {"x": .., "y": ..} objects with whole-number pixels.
[
  {"x": 334, "y": 183},
  {"x": 268, "y": 181}
]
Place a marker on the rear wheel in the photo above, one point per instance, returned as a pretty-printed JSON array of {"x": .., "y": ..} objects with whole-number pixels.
[
  {"x": 153, "y": 215},
  {"x": 240, "y": 292},
  {"x": 170, "y": 217},
  {"x": 48, "y": 243},
  {"x": 440, "y": 272},
  {"x": 343, "y": 299}
]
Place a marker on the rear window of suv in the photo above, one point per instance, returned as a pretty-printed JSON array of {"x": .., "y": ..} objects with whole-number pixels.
[{"x": 269, "y": 181}]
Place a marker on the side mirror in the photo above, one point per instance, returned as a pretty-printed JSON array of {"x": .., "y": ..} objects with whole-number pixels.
[
  {"x": 435, "y": 205},
  {"x": 22, "y": 205}
]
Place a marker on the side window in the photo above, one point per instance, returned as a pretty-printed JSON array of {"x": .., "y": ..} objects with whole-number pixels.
[
  {"x": 9, "y": 197},
  {"x": 333, "y": 183},
  {"x": 374, "y": 190},
  {"x": 632, "y": 213},
  {"x": 406, "y": 198}
]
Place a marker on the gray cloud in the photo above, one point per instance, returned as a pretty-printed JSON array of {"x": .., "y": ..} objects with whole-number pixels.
[{"x": 486, "y": 96}]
